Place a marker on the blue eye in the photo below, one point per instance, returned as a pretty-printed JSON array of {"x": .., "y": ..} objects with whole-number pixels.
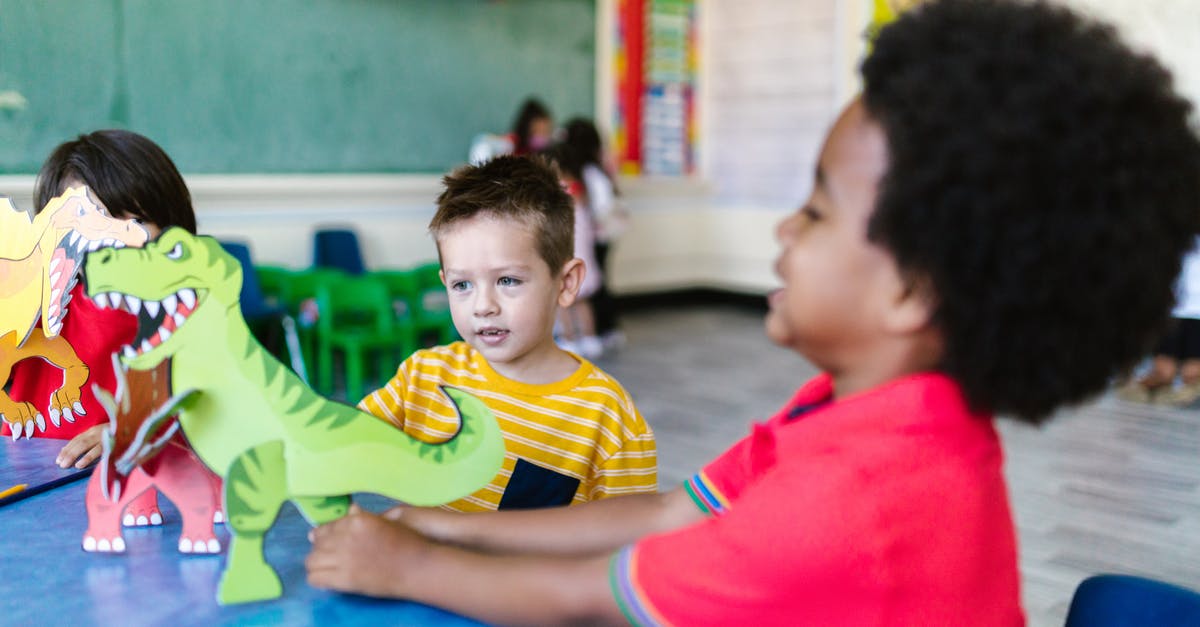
[
  {"x": 507, "y": 281},
  {"x": 459, "y": 286}
]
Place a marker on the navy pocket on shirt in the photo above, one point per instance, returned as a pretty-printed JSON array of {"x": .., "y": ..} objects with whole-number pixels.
[{"x": 533, "y": 486}]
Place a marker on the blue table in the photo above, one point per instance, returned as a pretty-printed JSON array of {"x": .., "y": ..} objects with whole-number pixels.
[{"x": 51, "y": 580}]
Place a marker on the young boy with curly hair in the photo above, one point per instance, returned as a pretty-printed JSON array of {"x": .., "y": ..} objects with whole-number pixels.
[
  {"x": 505, "y": 238},
  {"x": 1003, "y": 155}
]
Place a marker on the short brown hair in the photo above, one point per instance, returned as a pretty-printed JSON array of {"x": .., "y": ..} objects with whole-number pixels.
[
  {"x": 521, "y": 188},
  {"x": 128, "y": 172}
]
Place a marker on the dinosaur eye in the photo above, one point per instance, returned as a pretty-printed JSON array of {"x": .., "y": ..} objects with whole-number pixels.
[{"x": 176, "y": 252}]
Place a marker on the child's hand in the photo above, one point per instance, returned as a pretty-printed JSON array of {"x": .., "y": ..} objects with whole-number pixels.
[
  {"x": 83, "y": 450},
  {"x": 365, "y": 554}
]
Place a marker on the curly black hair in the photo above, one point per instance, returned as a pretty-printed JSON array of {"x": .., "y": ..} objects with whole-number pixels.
[{"x": 1044, "y": 180}]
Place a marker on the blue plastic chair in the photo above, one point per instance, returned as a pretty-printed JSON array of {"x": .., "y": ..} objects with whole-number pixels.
[
  {"x": 1128, "y": 601},
  {"x": 254, "y": 304},
  {"x": 260, "y": 313},
  {"x": 338, "y": 248}
]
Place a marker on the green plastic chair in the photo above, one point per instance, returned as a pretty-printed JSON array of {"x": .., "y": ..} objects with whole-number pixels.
[
  {"x": 404, "y": 293},
  {"x": 432, "y": 305},
  {"x": 357, "y": 320},
  {"x": 271, "y": 281},
  {"x": 298, "y": 293}
]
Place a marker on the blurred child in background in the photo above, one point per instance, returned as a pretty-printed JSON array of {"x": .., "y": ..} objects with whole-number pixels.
[{"x": 609, "y": 218}]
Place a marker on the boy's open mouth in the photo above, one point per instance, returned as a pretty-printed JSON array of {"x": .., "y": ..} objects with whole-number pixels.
[{"x": 492, "y": 335}]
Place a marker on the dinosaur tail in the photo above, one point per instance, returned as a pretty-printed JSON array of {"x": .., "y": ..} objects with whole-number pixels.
[{"x": 374, "y": 456}]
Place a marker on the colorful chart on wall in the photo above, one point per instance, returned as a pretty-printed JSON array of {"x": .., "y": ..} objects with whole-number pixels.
[{"x": 655, "y": 63}]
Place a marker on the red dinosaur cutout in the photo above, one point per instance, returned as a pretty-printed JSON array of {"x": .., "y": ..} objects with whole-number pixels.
[{"x": 142, "y": 452}]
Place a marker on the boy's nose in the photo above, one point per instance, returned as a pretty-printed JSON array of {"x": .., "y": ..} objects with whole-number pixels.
[
  {"x": 485, "y": 303},
  {"x": 783, "y": 230}
]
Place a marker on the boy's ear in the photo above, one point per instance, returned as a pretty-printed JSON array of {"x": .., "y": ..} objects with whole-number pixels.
[
  {"x": 912, "y": 309},
  {"x": 572, "y": 279},
  {"x": 442, "y": 276}
]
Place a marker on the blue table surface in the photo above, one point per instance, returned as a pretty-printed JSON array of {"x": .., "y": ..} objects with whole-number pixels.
[
  {"x": 30, "y": 461},
  {"x": 54, "y": 581}
]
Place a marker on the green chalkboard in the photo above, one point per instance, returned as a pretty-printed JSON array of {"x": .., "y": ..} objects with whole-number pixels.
[{"x": 269, "y": 86}]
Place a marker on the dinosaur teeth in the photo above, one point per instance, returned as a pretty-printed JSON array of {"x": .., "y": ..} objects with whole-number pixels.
[
  {"x": 134, "y": 303},
  {"x": 108, "y": 241},
  {"x": 179, "y": 318},
  {"x": 152, "y": 308},
  {"x": 93, "y": 245},
  {"x": 169, "y": 303},
  {"x": 129, "y": 352},
  {"x": 146, "y": 346},
  {"x": 187, "y": 296},
  {"x": 118, "y": 244},
  {"x": 75, "y": 237},
  {"x": 116, "y": 299},
  {"x": 54, "y": 264},
  {"x": 164, "y": 334}
]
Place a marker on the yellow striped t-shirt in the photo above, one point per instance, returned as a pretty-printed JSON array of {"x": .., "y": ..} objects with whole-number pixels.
[{"x": 582, "y": 432}]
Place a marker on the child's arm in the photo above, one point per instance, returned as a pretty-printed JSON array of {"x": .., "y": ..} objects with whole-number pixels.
[
  {"x": 367, "y": 554},
  {"x": 589, "y": 528}
]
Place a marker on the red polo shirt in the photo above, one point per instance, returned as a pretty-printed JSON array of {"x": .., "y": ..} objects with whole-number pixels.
[
  {"x": 95, "y": 334},
  {"x": 887, "y": 507}
]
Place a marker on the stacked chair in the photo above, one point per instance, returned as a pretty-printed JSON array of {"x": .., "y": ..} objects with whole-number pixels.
[
  {"x": 267, "y": 319},
  {"x": 339, "y": 312}
]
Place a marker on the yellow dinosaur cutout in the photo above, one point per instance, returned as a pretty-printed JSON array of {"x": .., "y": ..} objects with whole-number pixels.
[{"x": 40, "y": 260}]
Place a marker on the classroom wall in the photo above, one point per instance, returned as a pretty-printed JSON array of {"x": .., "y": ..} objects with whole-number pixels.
[
  {"x": 285, "y": 86},
  {"x": 776, "y": 71}
]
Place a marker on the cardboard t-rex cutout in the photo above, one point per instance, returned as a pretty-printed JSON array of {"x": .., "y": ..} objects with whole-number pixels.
[
  {"x": 143, "y": 450},
  {"x": 40, "y": 260},
  {"x": 253, "y": 422}
]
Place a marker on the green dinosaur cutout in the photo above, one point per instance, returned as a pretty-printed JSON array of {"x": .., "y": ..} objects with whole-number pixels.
[{"x": 254, "y": 423}]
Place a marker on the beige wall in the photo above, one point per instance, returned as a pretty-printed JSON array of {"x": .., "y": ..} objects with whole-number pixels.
[{"x": 677, "y": 237}]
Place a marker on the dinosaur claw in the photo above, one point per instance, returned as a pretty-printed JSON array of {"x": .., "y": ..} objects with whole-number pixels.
[
  {"x": 54, "y": 416},
  {"x": 78, "y": 409},
  {"x": 41, "y": 421},
  {"x": 17, "y": 427},
  {"x": 66, "y": 413},
  {"x": 29, "y": 428}
]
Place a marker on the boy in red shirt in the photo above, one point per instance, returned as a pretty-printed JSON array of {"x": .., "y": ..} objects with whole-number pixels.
[
  {"x": 134, "y": 178},
  {"x": 1003, "y": 155}
]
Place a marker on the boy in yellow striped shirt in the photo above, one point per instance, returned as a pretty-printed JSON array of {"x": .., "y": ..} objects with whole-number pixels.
[{"x": 505, "y": 238}]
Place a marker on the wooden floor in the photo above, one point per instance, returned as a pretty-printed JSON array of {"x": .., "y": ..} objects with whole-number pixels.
[{"x": 1108, "y": 487}]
